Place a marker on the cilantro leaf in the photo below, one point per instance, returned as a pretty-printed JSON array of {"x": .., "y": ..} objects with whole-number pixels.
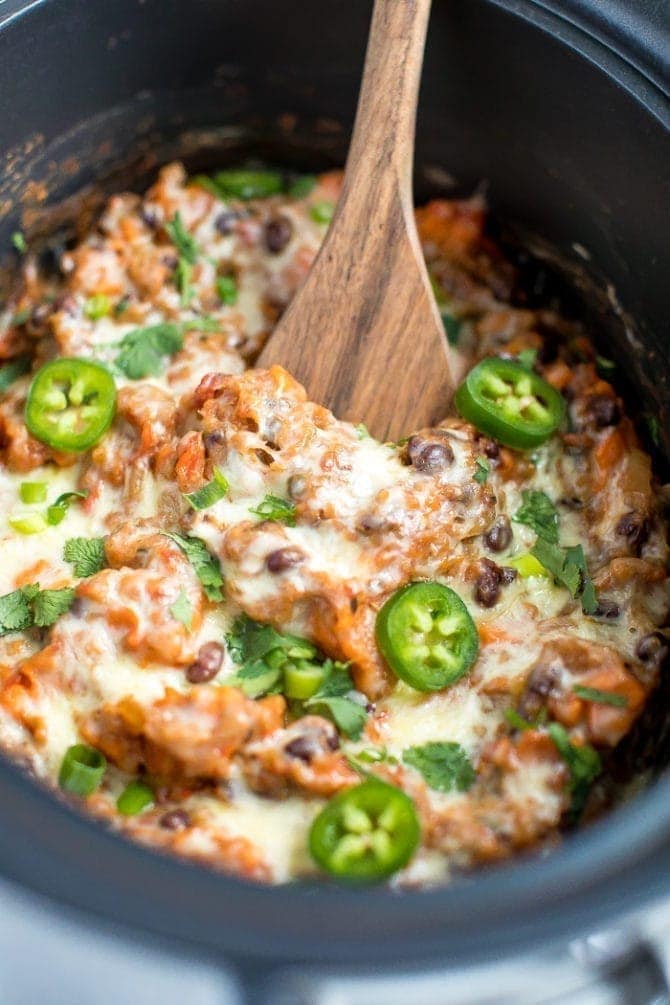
[
  {"x": 568, "y": 566},
  {"x": 12, "y": 371},
  {"x": 539, "y": 513},
  {"x": 86, "y": 555},
  {"x": 527, "y": 358},
  {"x": 184, "y": 242},
  {"x": 205, "y": 565},
  {"x": 599, "y": 697},
  {"x": 15, "y": 612},
  {"x": 188, "y": 252},
  {"x": 452, "y": 327},
  {"x": 250, "y": 641},
  {"x": 483, "y": 470},
  {"x": 19, "y": 242},
  {"x": 348, "y": 715},
  {"x": 210, "y": 493},
  {"x": 583, "y": 763},
  {"x": 274, "y": 508},
  {"x": 444, "y": 765},
  {"x": 142, "y": 350},
  {"x": 226, "y": 290},
  {"x": 182, "y": 610},
  {"x": 48, "y": 605}
]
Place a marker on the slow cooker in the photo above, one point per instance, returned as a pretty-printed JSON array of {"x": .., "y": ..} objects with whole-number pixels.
[{"x": 560, "y": 110}]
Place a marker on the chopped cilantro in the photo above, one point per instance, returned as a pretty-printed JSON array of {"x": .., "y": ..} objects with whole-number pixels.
[
  {"x": 205, "y": 565},
  {"x": 605, "y": 367},
  {"x": 86, "y": 555},
  {"x": 539, "y": 513},
  {"x": 142, "y": 350},
  {"x": 19, "y": 242},
  {"x": 226, "y": 290},
  {"x": 452, "y": 327},
  {"x": 210, "y": 493},
  {"x": 517, "y": 721},
  {"x": 599, "y": 697},
  {"x": 182, "y": 610},
  {"x": 568, "y": 566},
  {"x": 444, "y": 765},
  {"x": 527, "y": 358},
  {"x": 302, "y": 186},
  {"x": 583, "y": 763},
  {"x": 274, "y": 508},
  {"x": 183, "y": 241},
  {"x": 48, "y": 605},
  {"x": 264, "y": 655},
  {"x": 11, "y": 371},
  {"x": 483, "y": 470},
  {"x": 31, "y": 606}
]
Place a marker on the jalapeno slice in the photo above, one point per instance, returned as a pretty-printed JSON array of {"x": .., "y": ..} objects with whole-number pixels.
[
  {"x": 510, "y": 403},
  {"x": 366, "y": 833},
  {"x": 71, "y": 403},
  {"x": 427, "y": 636}
]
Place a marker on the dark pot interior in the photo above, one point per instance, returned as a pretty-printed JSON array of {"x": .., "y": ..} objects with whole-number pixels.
[{"x": 571, "y": 141}]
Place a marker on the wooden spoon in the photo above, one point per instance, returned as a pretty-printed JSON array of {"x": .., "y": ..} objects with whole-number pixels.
[{"x": 363, "y": 334}]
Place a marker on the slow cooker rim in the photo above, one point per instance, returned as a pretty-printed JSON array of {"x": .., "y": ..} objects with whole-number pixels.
[{"x": 610, "y": 848}]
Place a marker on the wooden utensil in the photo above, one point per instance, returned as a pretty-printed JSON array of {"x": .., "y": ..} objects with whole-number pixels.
[{"x": 363, "y": 333}]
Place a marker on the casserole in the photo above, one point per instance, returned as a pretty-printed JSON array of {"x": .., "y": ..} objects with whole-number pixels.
[{"x": 579, "y": 163}]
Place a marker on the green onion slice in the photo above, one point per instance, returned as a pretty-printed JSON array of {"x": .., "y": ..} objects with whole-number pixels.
[
  {"x": 82, "y": 770},
  {"x": 135, "y": 798},
  {"x": 33, "y": 492}
]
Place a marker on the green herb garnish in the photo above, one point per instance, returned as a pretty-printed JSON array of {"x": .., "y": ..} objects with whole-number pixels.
[
  {"x": 599, "y": 697},
  {"x": 226, "y": 290},
  {"x": 11, "y": 371},
  {"x": 97, "y": 307},
  {"x": 56, "y": 512},
  {"x": 583, "y": 763},
  {"x": 142, "y": 350},
  {"x": 539, "y": 513},
  {"x": 182, "y": 610},
  {"x": 86, "y": 555},
  {"x": 30, "y": 606},
  {"x": 19, "y": 242},
  {"x": 483, "y": 470},
  {"x": 445, "y": 766},
  {"x": 274, "y": 508},
  {"x": 205, "y": 565}
]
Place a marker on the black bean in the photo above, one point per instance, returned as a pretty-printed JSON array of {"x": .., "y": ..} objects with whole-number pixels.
[
  {"x": 608, "y": 610},
  {"x": 225, "y": 222},
  {"x": 428, "y": 456},
  {"x": 149, "y": 217},
  {"x": 491, "y": 449},
  {"x": 539, "y": 686},
  {"x": 215, "y": 445},
  {"x": 487, "y": 586},
  {"x": 175, "y": 820},
  {"x": 507, "y": 575},
  {"x": 278, "y": 232},
  {"x": 651, "y": 648},
  {"x": 635, "y": 528},
  {"x": 499, "y": 536},
  {"x": 603, "y": 410},
  {"x": 302, "y": 748},
  {"x": 170, "y": 259},
  {"x": 207, "y": 664},
  {"x": 283, "y": 559}
]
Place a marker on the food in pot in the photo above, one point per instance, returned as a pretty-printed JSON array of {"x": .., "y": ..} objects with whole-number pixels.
[{"x": 239, "y": 629}]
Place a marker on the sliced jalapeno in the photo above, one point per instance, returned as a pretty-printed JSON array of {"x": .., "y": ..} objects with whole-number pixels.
[
  {"x": 427, "y": 636},
  {"x": 70, "y": 404},
  {"x": 505, "y": 400},
  {"x": 366, "y": 833}
]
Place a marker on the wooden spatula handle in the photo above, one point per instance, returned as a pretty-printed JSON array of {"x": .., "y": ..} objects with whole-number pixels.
[{"x": 386, "y": 115}]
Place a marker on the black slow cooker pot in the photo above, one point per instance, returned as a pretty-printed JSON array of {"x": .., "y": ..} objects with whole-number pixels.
[{"x": 561, "y": 107}]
